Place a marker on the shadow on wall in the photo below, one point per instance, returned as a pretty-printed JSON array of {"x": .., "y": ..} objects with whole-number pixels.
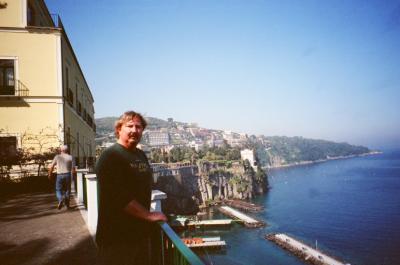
[{"x": 12, "y": 102}]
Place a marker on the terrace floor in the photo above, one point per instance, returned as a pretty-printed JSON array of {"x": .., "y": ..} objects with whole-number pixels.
[{"x": 34, "y": 231}]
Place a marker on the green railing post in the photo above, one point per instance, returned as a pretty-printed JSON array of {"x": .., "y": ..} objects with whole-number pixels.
[{"x": 177, "y": 252}]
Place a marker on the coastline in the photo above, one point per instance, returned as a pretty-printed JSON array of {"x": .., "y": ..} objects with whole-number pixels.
[{"x": 303, "y": 163}]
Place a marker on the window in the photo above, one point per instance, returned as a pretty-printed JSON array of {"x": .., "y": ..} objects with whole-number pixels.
[
  {"x": 8, "y": 147},
  {"x": 70, "y": 97},
  {"x": 76, "y": 93},
  {"x": 79, "y": 108},
  {"x": 66, "y": 78},
  {"x": 7, "y": 79}
]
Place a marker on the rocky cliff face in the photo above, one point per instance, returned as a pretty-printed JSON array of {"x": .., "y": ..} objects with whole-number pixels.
[{"x": 186, "y": 192}]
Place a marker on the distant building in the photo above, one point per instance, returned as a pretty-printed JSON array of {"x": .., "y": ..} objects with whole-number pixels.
[
  {"x": 158, "y": 138},
  {"x": 234, "y": 139},
  {"x": 176, "y": 170},
  {"x": 45, "y": 100},
  {"x": 197, "y": 144},
  {"x": 249, "y": 155},
  {"x": 215, "y": 141}
]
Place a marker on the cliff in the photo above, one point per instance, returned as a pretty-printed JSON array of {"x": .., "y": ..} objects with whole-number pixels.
[{"x": 213, "y": 182}]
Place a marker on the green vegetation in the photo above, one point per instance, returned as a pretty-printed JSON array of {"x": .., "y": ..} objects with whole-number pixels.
[
  {"x": 296, "y": 149},
  {"x": 224, "y": 154}
]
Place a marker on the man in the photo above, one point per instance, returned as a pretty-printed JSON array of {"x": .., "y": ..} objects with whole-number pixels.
[
  {"x": 65, "y": 170},
  {"x": 124, "y": 182}
]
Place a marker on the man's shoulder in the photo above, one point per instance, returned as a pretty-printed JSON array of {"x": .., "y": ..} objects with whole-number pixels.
[
  {"x": 140, "y": 151},
  {"x": 111, "y": 151},
  {"x": 66, "y": 156}
]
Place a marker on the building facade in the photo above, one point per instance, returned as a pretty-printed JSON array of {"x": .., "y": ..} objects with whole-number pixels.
[
  {"x": 250, "y": 156},
  {"x": 45, "y": 100},
  {"x": 158, "y": 138}
]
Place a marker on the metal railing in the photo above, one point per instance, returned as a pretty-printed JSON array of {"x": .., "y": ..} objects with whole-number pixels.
[
  {"x": 17, "y": 90},
  {"x": 173, "y": 250}
]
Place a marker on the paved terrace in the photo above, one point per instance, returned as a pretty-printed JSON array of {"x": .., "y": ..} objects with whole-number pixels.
[{"x": 33, "y": 231}]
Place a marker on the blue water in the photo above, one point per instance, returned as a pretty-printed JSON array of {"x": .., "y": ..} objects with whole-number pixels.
[{"x": 351, "y": 207}]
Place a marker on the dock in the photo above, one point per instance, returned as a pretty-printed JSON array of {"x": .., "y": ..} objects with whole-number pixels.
[
  {"x": 204, "y": 242},
  {"x": 183, "y": 222},
  {"x": 303, "y": 251},
  {"x": 245, "y": 206},
  {"x": 247, "y": 220}
]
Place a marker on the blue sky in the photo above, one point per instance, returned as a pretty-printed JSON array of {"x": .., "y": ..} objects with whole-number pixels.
[{"x": 318, "y": 69}]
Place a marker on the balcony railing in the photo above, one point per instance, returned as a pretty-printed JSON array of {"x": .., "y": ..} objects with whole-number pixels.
[
  {"x": 173, "y": 250},
  {"x": 16, "y": 90},
  {"x": 167, "y": 248}
]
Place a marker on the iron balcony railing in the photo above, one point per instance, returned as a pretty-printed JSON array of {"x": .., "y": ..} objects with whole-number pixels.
[
  {"x": 173, "y": 250},
  {"x": 17, "y": 89}
]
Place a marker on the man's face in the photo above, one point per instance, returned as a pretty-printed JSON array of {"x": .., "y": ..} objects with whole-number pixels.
[{"x": 131, "y": 132}]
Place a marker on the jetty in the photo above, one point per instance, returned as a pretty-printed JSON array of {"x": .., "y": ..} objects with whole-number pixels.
[
  {"x": 204, "y": 242},
  {"x": 243, "y": 205},
  {"x": 185, "y": 222},
  {"x": 247, "y": 220},
  {"x": 303, "y": 251}
]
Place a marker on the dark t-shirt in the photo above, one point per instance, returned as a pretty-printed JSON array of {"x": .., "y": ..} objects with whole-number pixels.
[{"x": 123, "y": 176}]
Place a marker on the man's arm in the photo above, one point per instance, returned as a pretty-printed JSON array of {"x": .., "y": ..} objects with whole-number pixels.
[
  {"x": 51, "y": 168},
  {"x": 137, "y": 210}
]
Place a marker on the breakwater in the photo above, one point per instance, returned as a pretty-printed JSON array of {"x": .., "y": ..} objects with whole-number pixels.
[{"x": 303, "y": 251}]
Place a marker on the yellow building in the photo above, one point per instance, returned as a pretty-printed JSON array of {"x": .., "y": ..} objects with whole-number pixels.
[{"x": 45, "y": 100}]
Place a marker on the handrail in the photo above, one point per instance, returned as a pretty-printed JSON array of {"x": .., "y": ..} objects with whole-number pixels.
[
  {"x": 21, "y": 90},
  {"x": 187, "y": 255},
  {"x": 17, "y": 89}
]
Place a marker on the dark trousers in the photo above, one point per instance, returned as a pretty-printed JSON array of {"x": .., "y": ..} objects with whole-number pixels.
[
  {"x": 63, "y": 187},
  {"x": 125, "y": 254}
]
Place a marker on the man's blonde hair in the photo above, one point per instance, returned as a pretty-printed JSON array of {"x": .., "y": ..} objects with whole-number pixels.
[{"x": 127, "y": 116}]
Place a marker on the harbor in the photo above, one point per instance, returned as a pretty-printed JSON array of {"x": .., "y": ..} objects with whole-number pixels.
[
  {"x": 247, "y": 220},
  {"x": 303, "y": 251}
]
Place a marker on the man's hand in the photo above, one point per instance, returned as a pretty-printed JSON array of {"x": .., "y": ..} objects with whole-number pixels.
[
  {"x": 137, "y": 210},
  {"x": 156, "y": 216}
]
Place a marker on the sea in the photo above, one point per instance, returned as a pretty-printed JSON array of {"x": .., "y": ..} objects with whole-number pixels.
[{"x": 347, "y": 208}]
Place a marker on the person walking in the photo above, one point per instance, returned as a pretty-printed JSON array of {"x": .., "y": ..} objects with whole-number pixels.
[
  {"x": 124, "y": 181},
  {"x": 65, "y": 170}
]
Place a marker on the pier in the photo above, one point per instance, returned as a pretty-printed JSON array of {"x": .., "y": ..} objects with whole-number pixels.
[
  {"x": 247, "y": 220},
  {"x": 183, "y": 222},
  {"x": 303, "y": 251},
  {"x": 243, "y": 205}
]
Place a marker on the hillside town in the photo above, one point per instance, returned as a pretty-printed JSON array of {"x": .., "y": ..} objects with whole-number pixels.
[{"x": 170, "y": 134}]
